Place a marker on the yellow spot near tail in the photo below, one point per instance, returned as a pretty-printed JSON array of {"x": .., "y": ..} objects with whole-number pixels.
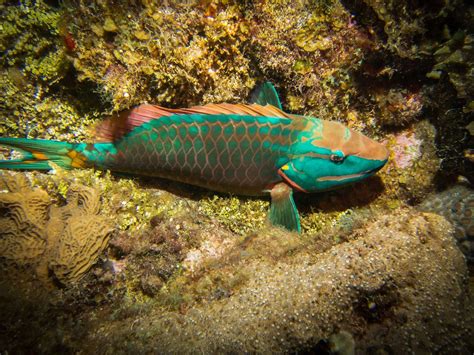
[
  {"x": 77, "y": 160},
  {"x": 40, "y": 156},
  {"x": 77, "y": 164},
  {"x": 285, "y": 167}
]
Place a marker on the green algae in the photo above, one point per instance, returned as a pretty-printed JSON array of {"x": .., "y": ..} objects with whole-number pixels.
[
  {"x": 35, "y": 101},
  {"x": 167, "y": 54},
  {"x": 30, "y": 110},
  {"x": 240, "y": 216},
  {"x": 130, "y": 205},
  {"x": 30, "y": 39}
]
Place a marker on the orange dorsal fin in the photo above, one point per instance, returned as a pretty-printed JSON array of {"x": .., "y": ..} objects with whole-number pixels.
[{"x": 115, "y": 127}]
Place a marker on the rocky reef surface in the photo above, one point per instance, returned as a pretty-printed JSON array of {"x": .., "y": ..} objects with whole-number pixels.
[{"x": 93, "y": 261}]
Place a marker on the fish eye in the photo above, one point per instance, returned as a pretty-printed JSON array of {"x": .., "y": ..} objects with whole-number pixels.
[{"x": 336, "y": 158}]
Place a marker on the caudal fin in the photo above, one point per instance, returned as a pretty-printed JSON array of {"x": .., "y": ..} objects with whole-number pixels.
[{"x": 37, "y": 154}]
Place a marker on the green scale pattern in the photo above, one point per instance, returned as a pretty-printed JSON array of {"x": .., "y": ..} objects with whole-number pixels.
[{"x": 228, "y": 153}]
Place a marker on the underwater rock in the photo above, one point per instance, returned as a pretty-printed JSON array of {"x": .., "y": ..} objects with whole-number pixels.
[
  {"x": 309, "y": 49},
  {"x": 413, "y": 164},
  {"x": 58, "y": 243},
  {"x": 163, "y": 53},
  {"x": 36, "y": 75},
  {"x": 399, "y": 282},
  {"x": 28, "y": 40},
  {"x": 456, "y": 204},
  {"x": 406, "y": 150},
  {"x": 456, "y": 57},
  {"x": 398, "y": 107},
  {"x": 404, "y": 25}
]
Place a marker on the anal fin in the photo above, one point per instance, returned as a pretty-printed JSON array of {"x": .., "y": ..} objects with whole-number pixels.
[{"x": 283, "y": 210}]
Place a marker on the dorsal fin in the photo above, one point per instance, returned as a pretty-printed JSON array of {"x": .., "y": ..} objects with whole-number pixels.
[
  {"x": 266, "y": 94},
  {"x": 115, "y": 127}
]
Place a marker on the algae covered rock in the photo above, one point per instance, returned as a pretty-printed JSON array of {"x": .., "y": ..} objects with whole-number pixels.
[
  {"x": 36, "y": 75},
  {"x": 398, "y": 283},
  {"x": 209, "y": 275},
  {"x": 308, "y": 49},
  {"x": 402, "y": 24},
  {"x": 60, "y": 243},
  {"x": 455, "y": 57},
  {"x": 456, "y": 204},
  {"x": 170, "y": 53},
  {"x": 413, "y": 164}
]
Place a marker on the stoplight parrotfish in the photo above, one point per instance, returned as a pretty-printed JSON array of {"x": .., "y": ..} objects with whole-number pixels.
[{"x": 247, "y": 149}]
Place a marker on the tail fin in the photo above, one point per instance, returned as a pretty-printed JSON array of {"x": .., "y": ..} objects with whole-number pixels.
[{"x": 36, "y": 154}]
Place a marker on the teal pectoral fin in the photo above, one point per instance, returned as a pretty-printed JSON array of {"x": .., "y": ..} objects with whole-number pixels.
[
  {"x": 283, "y": 210},
  {"x": 266, "y": 94}
]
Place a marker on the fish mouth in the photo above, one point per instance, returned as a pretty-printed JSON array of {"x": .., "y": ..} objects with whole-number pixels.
[{"x": 364, "y": 174}]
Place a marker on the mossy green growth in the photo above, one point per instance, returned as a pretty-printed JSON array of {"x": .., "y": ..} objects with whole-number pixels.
[
  {"x": 317, "y": 221},
  {"x": 239, "y": 215},
  {"x": 35, "y": 62},
  {"x": 29, "y": 110},
  {"x": 171, "y": 54},
  {"x": 30, "y": 40},
  {"x": 326, "y": 19},
  {"x": 130, "y": 206},
  {"x": 312, "y": 49}
]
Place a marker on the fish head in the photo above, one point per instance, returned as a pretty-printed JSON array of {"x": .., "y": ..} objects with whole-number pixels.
[{"x": 327, "y": 155}]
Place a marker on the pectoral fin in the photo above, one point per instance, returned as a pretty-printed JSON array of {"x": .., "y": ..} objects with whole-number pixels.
[{"x": 283, "y": 210}]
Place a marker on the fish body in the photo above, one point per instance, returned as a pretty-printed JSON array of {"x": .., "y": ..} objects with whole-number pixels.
[
  {"x": 245, "y": 149},
  {"x": 237, "y": 153}
]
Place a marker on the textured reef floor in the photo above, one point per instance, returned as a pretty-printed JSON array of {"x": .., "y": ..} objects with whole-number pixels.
[{"x": 92, "y": 262}]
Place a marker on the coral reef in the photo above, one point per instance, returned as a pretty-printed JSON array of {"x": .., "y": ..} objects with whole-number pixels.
[
  {"x": 130, "y": 203},
  {"x": 35, "y": 64},
  {"x": 456, "y": 204},
  {"x": 402, "y": 25},
  {"x": 55, "y": 242},
  {"x": 30, "y": 40},
  {"x": 29, "y": 110},
  {"x": 398, "y": 107},
  {"x": 309, "y": 48},
  {"x": 452, "y": 139},
  {"x": 171, "y": 53},
  {"x": 411, "y": 171},
  {"x": 240, "y": 216},
  {"x": 189, "y": 271},
  {"x": 414, "y": 279},
  {"x": 455, "y": 57}
]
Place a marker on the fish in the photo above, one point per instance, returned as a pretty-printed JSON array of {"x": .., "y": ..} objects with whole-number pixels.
[{"x": 252, "y": 149}]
